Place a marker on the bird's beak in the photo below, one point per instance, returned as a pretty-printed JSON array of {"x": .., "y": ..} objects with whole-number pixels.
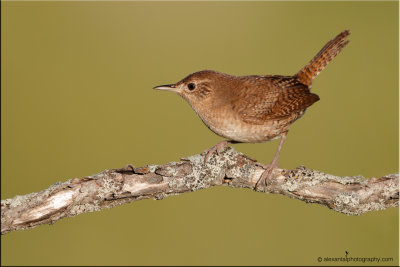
[{"x": 167, "y": 87}]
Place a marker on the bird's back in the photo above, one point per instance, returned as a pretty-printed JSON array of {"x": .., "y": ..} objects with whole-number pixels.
[{"x": 262, "y": 98}]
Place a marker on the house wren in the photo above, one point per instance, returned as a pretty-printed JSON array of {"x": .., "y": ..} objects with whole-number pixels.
[{"x": 253, "y": 109}]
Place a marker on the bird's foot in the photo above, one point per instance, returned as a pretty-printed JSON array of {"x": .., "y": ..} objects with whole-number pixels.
[
  {"x": 262, "y": 165},
  {"x": 217, "y": 148},
  {"x": 263, "y": 180}
]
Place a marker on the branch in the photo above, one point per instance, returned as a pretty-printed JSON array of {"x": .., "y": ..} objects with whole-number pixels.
[{"x": 349, "y": 195}]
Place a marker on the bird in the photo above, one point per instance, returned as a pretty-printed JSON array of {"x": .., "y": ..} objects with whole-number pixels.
[{"x": 254, "y": 108}]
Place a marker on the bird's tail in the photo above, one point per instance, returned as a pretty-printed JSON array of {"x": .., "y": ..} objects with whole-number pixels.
[{"x": 319, "y": 62}]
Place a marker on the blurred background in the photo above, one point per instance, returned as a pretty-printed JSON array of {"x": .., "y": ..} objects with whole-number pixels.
[{"x": 77, "y": 99}]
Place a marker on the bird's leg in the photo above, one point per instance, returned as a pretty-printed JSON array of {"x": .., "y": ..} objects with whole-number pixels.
[
  {"x": 270, "y": 167},
  {"x": 217, "y": 148}
]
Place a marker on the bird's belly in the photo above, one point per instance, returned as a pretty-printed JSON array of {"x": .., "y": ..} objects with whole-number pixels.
[
  {"x": 233, "y": 128},
  {"x": 247, "y": 133}
]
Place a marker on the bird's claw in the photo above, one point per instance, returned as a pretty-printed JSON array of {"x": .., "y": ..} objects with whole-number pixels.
[
  {"x": 263, "y": 180},
  {"x": 262, "y": 165},
  {"x": 217, "y": 148}
]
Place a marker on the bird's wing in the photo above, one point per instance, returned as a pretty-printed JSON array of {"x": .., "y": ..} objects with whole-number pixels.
[{"x": 271, "y": 97}]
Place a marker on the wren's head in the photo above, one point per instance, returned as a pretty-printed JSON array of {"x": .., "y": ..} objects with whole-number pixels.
[{"x": 200, "y": 89}]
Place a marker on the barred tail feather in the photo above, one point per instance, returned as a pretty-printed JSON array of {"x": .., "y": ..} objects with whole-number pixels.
[{"x": 319, "y": 62}]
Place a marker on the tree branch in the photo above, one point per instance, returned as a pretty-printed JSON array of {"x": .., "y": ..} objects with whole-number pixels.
[{"x": 349, "y": 195}]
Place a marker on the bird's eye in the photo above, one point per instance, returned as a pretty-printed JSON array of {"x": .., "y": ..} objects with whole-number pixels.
[{"x": 191, "y": 86}]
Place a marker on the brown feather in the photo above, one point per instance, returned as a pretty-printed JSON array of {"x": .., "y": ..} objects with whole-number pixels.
[
  {"x": 271, "y": 97},
  {"x": 324, "y": 56}
]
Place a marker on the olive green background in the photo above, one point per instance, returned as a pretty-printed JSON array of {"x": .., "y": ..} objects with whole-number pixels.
[{"x": 77, "y": 98}]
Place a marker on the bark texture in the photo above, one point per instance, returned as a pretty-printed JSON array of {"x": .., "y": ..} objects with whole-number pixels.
[{"x": 349, "y": 195}]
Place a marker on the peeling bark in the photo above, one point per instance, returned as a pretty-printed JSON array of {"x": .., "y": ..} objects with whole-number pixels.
[{"x": 349, "y": 195}]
